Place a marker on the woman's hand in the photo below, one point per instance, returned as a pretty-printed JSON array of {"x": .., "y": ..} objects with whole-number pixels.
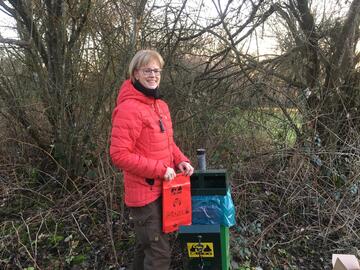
[
  {"x": 169, "y": 174},
  {"x": 186, "y": 168}
]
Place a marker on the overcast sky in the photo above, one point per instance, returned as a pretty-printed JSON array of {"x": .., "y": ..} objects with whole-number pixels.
[
  {"x": 7, "y": 25},
  {"x": 264, "y": 42}
]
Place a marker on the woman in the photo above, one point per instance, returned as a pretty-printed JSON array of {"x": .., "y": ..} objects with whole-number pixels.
[{"x": 142, "y": 145}]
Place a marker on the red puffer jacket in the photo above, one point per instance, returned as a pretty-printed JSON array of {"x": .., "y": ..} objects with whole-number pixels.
[{"x": 138, "y": 145}]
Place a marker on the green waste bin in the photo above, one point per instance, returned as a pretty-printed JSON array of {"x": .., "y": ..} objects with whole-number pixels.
[{"x": 206, "y": 246}]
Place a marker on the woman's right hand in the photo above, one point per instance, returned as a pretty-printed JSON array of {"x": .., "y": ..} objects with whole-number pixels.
[{"x": 169, "y": 174}]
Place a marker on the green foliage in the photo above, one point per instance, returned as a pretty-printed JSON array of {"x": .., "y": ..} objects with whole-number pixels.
[
  {"x": 55, "y": 239},
  {"x": 74, "y": 260},
  {"x": 241, "y": 244}
]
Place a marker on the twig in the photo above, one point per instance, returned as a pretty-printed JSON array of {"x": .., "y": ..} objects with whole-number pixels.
[
  {"x": 81, "y": 232},
  {"x": 24, "y": 246}
]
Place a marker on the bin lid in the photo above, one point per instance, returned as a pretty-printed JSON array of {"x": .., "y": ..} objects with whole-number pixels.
[{"x": 211, "y": 228}]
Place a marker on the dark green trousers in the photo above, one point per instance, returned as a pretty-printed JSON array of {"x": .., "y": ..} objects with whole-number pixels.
[{"x": 152, "y": 249}]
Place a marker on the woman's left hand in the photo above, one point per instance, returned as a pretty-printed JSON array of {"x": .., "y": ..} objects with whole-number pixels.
[{"x": 186, "y": 168}]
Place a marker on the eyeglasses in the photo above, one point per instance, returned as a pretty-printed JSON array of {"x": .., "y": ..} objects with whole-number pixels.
[{"x": 149, "y": 71}]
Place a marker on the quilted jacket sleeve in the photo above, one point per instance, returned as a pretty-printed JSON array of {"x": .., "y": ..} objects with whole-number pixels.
[{"x": 126, "y": 128}]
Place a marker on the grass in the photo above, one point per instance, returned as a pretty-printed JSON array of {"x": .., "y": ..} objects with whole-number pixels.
[{"x": 267, "y": 124}]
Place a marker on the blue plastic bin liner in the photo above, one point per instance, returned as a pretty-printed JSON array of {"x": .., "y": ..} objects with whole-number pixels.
[{"x": 213, "y": 209}]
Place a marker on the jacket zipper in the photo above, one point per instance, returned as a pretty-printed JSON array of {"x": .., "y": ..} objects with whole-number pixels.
[
  {"x": 157, "y": 111},
  {"x": 162, "y": 126}
]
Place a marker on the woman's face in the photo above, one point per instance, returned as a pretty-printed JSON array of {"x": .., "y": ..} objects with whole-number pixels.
[{"x": 149, "y": 75}]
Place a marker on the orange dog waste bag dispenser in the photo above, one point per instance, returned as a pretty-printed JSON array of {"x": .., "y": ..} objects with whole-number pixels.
[{"x": 176, "y": 203}]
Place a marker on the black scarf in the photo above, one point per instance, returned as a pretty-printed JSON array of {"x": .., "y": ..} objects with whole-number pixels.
[{"x": 147, "y": 91}]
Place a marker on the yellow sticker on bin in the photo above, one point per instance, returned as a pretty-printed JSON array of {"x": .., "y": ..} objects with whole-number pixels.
[{"x": 203, "y": 249}]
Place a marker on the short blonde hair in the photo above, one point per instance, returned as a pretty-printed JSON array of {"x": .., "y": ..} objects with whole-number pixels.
[{"x": 143, "y": 57}]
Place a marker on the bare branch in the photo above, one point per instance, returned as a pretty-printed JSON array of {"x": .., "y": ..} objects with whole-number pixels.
[
  {"x": 31, "y": 27},
  {"x": 21, "y": 43}
]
